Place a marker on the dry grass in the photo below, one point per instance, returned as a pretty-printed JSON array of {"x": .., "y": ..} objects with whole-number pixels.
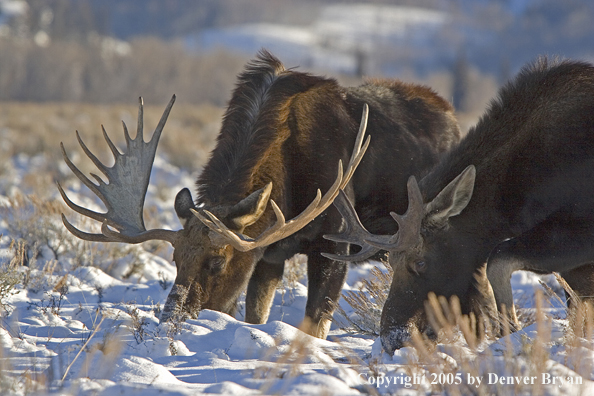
[
  {"x": 458, "y": 353},
  {"x": 367, "y": 302},
  {"x": 530, "y": 359},
  {"x": 33, "y": 128},
  {"x": 463, "y": 349},
  {"x": 10, "y": 277},
  {"x": 41, "y": 245}
]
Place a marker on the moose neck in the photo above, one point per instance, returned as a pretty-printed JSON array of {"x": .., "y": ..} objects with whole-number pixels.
[
  {"x": 493, "y": 146},
  {"x": 248, "y": 145},
  {"x": 512, "y": 147},
  {"x": 253, "y": 142},
  {"x": 482, "y": 221}
]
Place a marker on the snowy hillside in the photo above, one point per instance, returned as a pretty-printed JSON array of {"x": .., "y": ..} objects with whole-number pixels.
[{"x": 335, "y": 40}]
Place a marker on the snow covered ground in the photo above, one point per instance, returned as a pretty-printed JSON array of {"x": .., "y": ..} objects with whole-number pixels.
[{"x": 83, "y": 320}]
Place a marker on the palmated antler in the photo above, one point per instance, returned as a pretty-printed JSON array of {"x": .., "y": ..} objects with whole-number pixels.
[
  {"x": 124, "y": 193},
  {"x": 281, "y": 228},
  {"x": 409, "y": 227}
]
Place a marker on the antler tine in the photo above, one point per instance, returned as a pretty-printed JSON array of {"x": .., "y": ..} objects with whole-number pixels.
[
  {"x": 83, "y": 235},
  {"x": 358, "y": 150},
  {"x": 236, "y": 240},
  {"x": 124, "y": 193},
  {"x": 126, "y": 134},
  {"x": 354, "y": 233},
  {"x": 81, "y": 176},
  {"x": 281, "y": 229},
  {"x": 114, "y": 150},
  {"x": 157, "y": 133},
  {"x": 88, "y": 152},
  {"x": 409, "y": 224},
  {"x": 354, "y": 230},
  {"x": 140, "y": 123},
  {"x": 365, "y": 253},
  {"x": 79, "y": 209}
]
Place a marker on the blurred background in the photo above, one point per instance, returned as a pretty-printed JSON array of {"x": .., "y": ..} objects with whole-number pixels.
[
  {"x": 103, "y": 51},
  {"x": 72, "y": 61}
]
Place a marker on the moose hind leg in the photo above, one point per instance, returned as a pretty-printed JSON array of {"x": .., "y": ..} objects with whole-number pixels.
[
  {"x": 261, "y": 289},
  {"x": 500, "y": 266},
  {"x": 552, "y": 246},
  {"x": 581, "y": 280}
]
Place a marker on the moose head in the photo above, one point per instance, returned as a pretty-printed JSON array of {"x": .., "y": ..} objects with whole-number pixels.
[{"x": 211, "y": 237}]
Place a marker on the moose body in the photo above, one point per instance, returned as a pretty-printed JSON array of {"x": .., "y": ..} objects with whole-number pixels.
[
  {"x": 282, "y": 135},
  {"x": 516, "y": 193}
]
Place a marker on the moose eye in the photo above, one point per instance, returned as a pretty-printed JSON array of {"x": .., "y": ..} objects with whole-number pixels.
[
  {"x": 420, "y": 267},
  {"x": 215, "y": 264}
]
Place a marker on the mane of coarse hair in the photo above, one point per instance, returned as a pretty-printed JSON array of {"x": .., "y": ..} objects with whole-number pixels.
[
  {"x": 250, "y": 127},
  {"x": 239, "y": 132},
  {"x": 539, "y": 79},
  {"x": 533, "y": 93}
]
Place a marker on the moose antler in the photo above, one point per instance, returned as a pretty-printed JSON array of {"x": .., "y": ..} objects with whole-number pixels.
[
  {"x": 282, "y": 229},
  {"x": 124, "y": 194},
  {"x": 355, "y": 232},
  {"x": 409, "y": 226}
]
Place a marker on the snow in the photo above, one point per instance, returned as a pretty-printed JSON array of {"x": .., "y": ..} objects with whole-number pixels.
[{"x": 100, "y": 335}]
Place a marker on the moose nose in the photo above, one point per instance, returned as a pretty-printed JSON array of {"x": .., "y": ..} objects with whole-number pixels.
[{"x": 395, "y": 338}]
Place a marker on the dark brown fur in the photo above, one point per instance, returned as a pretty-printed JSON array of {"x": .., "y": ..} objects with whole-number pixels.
[
  {"x": 291, "y": 129},
  {"x": 529, "y": 205}
]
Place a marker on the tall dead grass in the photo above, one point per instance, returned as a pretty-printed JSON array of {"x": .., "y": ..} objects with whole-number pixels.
[
  {"x": 41, "y": 245},
  {"x": 38, "y": 128},
  {"x": 460, "y": 352}
]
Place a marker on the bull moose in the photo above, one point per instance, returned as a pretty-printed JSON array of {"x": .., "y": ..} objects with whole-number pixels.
[
  {"x": 517, "y": 193},
  {"x": 282, "y": 135}
]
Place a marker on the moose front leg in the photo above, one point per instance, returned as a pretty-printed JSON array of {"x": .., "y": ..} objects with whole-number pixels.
[
  {"x": 325, "y": 280},
  {"x": 261, "y": 288}
]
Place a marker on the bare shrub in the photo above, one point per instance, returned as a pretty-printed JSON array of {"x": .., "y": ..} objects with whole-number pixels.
[
  {"x": 460, "y": 354},
  {"x": 138, "y": 324},
  {"x": 9, "y": 278},
  {"x": 367, "y": 303},
  {"x": 295, "y": 271},
  {"x": 44, "y": 245},
  {"x": 32, "y": 221}
]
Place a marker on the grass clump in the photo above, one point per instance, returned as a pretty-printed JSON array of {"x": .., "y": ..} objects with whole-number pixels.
[
  {"x": 367, "y": 303},
  {"x": 10, "y": 278}
]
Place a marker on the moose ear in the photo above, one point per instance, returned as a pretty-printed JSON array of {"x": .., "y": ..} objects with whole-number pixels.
[
  {"x": 452, "y": 200},
  {"x": 183, "y": 204},
  {"x": 250, "y": 209}
]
